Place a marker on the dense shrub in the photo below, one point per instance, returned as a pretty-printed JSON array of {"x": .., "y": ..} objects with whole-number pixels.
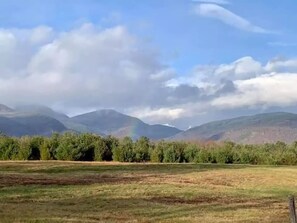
[
  {"x": 206, "y": 156},
  {"x": 225, "y": 153},
  {"x": 124, "y": 152},
  {"x": 100, "y": 149},
  {"x": 90, "y": 147},
  {"x": 141, "y": 149},
  {"x": 111, "y": 143},
  {"x": 191, "y": 153},
  {"x": 29, "y": 148},
  {"x": 76, "y": 147},
  {"x": 45, "y": 150},
  {"x": 157, "y": 152},
  {"x": 246, "y": 154},
  {"x": 174, "y": 153},
  {"x": 9, "y": 148}
]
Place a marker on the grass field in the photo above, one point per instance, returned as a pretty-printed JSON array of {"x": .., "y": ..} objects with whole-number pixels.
[{"x": 112, "y": 192}]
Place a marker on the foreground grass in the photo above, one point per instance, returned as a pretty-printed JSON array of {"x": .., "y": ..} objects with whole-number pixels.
[{"x": 112, "y": 192}]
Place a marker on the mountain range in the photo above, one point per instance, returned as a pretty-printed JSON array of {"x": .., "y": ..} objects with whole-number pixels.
[
  {"x": 256, "y": 129},
  {"x": 41, "y": 120}
]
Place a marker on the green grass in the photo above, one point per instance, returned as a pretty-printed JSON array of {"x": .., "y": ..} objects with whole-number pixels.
[{"x": 113, "y": 192}]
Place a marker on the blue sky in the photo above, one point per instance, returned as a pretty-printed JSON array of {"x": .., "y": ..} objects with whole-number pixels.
[
  {"x": 184, "y": 38},
  {"x": 202, "y": 60}
]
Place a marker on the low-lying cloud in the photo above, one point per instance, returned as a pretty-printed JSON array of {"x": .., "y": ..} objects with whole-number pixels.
[{"x": 90, "y": 68}]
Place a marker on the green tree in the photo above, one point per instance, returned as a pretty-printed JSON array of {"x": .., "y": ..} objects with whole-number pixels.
[
  {"x": 100, "y": 149},
  {"x": 157, "y": 153},
  {"x": 141, "y": 149},
  {"x": 30, "y": 148},
  {"x": 111, "y": 143},
  {"x": 45, "y": 150},
  {"x": 191, "y": 152},
  {"x": 124, "y": 152},
  {"x": 9, "y": 148},
  {"x": 174, "y": 153}
]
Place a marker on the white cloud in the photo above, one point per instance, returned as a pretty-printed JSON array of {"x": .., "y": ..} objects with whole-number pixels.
[
  {"x": 265, "y": 90},
  {"x": 243, "y": 68},
  {"x": 88, "y": 67},
  {"x": 222, "y": 14},
  {"x": 282, "y": 65},
  {"x": 85, "y": 67},
  {"x": 41, "y": 35},
  {"x": 244, "y": 83},
  {"x": 219, "y": 2},
  {"x": 17, "y": 46},
  {"x": 163, "y": 75},
  {"x": 158, "y": 115}
]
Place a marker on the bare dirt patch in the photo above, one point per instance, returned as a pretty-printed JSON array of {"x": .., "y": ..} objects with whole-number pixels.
[
  {"x": 224, "y": 200},
  {"x": 17, "y": 179}
]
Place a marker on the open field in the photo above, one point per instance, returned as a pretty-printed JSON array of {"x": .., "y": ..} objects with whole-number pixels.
[{"x": 112, "y": 192}]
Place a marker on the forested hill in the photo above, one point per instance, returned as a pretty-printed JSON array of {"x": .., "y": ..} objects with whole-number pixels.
[{"x": 261, "y": 128}]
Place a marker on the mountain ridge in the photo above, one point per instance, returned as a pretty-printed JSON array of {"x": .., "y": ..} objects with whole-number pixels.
[
  {"x": 111, "y": 122},
  {"x": 246, "y": 129},
  {"x": 26, "y": 120},
  {"x": 259, "y": 128}
]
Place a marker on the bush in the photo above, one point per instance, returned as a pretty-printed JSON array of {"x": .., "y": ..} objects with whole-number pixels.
[
  {"x": 76, "y": 147},
  {"x": 157, "y": 152},
  {"x": 246, "y": 154},
  {"x": 191, "y": 153},
  {"x": 29, "y": 148},
  {"x": 100, "y": 149},
  {"x": 141, "y": 149},
  {"x": 89, "y": 147},
  {"x": 174, "y": 153},
  {"x": 9, "y": 148},
  {"x": 45, "y": 150},
  {"x": 206, "y": 155},
  {"x": 124, "y": 152},
  {"x": 224, "y": 154},
  {"x": 111, "y": 143}
]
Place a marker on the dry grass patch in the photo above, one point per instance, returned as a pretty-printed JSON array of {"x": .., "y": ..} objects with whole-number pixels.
[{"x": 110, "y": 192}]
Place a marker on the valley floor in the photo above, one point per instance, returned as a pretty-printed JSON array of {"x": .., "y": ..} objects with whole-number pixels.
[{"x": 112, "y": 192}]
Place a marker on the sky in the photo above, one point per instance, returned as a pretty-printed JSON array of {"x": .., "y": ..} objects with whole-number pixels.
[{"x": 177, "y": 62}]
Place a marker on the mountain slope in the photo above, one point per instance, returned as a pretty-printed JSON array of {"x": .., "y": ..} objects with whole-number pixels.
[
  {"x": 41, "y": 110},
  {"x": 110, "y": 122},
  {"x": 261, "y": 128},
  {"x": 20, "y": 124},
  {"x": 46, "y": 111},
  {"x": 12, "y": 128},
  {"x": 36, "y": 119},
  {"x": 4, "y": 109}
]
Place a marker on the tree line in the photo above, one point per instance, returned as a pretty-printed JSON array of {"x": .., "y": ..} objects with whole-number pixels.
[{"x": 90, "y": 147}]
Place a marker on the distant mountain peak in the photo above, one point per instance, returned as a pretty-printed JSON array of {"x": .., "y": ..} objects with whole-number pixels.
[
  {"x": 34, "y": 107},
  {"x": 41, "y": 109},
  {"x": 5, "y": 109},
  {"x": 107, "y": 111},
  {"x": 111, "y": 122}
]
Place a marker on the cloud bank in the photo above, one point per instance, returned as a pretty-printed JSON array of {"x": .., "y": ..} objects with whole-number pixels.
[{"x": 90, "y": 68}]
